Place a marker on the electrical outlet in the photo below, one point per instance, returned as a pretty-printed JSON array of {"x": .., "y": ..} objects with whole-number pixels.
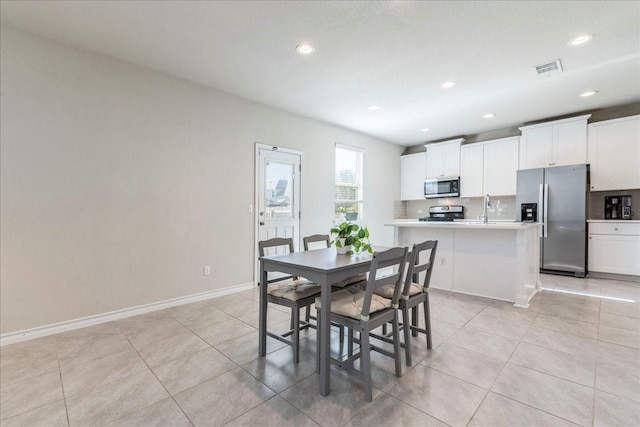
[{"x": 207, "y": 270}]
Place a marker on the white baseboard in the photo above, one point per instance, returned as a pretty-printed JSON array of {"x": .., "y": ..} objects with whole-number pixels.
[{"x": 69, "y": 325}]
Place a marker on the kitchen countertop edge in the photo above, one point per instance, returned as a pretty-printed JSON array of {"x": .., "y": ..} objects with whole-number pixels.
[{"x": 492, "y": 225}]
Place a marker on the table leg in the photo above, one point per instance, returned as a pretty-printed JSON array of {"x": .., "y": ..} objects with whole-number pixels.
[
  {"x": 262, "y": 327},
  {"x": 325, "y": 339}
]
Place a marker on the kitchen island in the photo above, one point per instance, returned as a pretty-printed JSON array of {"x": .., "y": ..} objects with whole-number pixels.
[{"x": 499, "y": 260}]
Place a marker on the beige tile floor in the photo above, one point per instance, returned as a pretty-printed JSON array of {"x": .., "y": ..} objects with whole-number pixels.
[{"x": 571, "y": 358}]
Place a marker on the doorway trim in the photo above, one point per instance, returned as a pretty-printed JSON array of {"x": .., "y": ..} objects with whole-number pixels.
[{"x": 256, "y": 217}]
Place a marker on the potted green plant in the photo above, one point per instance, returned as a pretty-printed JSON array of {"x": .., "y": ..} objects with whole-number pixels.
[{"x": 350, "y": 239}]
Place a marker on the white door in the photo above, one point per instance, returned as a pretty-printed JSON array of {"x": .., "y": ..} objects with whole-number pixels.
[{"x": 277, "y": 195}]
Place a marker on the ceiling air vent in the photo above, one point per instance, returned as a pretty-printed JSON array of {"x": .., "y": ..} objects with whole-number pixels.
[{"x": 549, "y": 69}]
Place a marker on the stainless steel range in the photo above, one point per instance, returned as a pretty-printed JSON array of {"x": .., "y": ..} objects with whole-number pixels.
[{"x": 444, "y": 213}]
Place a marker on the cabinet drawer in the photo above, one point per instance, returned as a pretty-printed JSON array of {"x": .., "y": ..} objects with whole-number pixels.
[{"x": 616, "y": 228}]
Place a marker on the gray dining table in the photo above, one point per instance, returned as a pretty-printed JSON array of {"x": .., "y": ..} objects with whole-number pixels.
[{"x": 322, "y": 266}]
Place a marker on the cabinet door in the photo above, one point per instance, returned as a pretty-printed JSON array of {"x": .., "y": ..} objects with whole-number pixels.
[
  {"x": 536, "y": 148},
  {"x": 614, "y": 254},
  {"x": 570, "y": 143},
  {"x": 412, "y": 174},
  {"x": 472, "y": 170},
  {"x": 435, "y": 162},
  {"x": 451, "y": 154},
  {"x": 614, "y": 154},
  {"x": 500, "y": 167}
]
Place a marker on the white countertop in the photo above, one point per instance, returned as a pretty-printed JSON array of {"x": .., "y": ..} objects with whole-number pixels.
[
  {"x": 616, "y": 221},
  {"x": 491, "y": 225}
]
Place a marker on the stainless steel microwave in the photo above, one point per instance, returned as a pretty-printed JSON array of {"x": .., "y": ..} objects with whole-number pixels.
[{"x": 442, "y": 187}]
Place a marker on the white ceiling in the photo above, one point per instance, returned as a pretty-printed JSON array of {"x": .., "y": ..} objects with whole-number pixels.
[{"x": 394, "y": 54}]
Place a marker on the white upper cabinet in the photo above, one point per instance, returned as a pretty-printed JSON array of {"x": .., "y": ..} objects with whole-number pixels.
[
  {"x": 501, "y": 166},
  {"x": 614, "y": 154},
  {"x": 557, "y": 143},
  {"x": 472, "y": 170},
  {"x": 413, "y": 170},
  {"x": 489, "y": 167},
  {"x": 443, "y": 159}
]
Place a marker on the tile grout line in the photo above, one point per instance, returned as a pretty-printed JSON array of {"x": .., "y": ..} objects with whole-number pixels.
[
  {"x": 64, "y": 397},
  {"x": 161, "y": 383}
]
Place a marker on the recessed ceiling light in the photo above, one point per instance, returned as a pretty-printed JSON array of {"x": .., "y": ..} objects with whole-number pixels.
[
  {"x": 588, "y": 93},
  {"x": 374, "y": 107},
  {"x": 488, "y": 116},
  {"x": 305, "y": 49},
  {"x": 580, "y": 40},
  {"x": 447, "y": 85},
  {"x": 426, "y": 130}
]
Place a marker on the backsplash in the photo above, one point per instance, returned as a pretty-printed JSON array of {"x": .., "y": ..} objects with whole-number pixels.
[
  {"x": 502, "y": 207},
  {"x": 596, "y": 202},
  {"x": 506, "y": 209}
]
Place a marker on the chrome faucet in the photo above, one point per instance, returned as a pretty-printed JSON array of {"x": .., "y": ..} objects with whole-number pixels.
[{"x": 485, "y": 214}]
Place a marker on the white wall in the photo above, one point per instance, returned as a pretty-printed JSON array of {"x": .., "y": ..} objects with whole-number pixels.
[{"x": 118, "y": 183}]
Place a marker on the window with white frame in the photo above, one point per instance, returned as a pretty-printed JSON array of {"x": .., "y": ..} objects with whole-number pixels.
[{"x": 349, "y": 165}]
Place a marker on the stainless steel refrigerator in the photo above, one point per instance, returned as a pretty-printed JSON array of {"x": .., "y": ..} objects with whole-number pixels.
[{"x": 558, "y": 198}]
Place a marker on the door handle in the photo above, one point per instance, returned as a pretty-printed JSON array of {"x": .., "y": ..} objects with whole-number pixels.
[
  {"x": 546, "y": 210},
  {"x": 261, "y": 223}
]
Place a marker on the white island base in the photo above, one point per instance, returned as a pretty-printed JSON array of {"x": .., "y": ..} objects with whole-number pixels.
[{"x": 496, "y": 260}]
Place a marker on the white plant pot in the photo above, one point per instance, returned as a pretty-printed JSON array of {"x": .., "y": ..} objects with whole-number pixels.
[{"x": 344, "y": 249}]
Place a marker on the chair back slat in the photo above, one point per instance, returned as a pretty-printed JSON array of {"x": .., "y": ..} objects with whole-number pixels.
[
  {"x": 315, "y": 238},
  {"x": 416, "y": 267},
  {"x": 275, "y": 243}
]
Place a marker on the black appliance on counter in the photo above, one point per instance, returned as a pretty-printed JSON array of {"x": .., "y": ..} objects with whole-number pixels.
[
  {"x": 444, "y": 213},
  {"x": 617, "y": 207},
  {"x": 529, "y": 212}
]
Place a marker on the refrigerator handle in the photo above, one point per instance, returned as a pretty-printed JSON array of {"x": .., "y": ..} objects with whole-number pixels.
[
  {"x": 540, "y": 206},
  {"x": 546, "y": 210}
]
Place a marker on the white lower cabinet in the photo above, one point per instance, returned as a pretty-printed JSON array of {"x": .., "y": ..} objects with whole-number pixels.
[{"x": 614, "y": 247}]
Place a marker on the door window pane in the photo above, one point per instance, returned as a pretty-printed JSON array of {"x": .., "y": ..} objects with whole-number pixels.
[{"x": 278, "y": 190}]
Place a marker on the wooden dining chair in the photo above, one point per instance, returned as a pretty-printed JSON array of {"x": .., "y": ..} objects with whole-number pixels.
[
  {"x": 362, "y": 311},
  {"x": 292, "y": 292},
  {"x": 414, "y": 294}
]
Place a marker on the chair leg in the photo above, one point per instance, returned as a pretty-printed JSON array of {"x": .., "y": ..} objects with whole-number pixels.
[
  {"x": 307, "y": 317},
  {"x": 414, "y": 321},
  {"x": 365, "y": 361},
  {"x": 427, "y": 321},
  {"x": 350, "y": 342},
  {"x": 318, "y": 342},
  {"x": 296, "y": 335},
  {"x": 407, "y": 334},
  {"x": 396, "y": 344}
]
